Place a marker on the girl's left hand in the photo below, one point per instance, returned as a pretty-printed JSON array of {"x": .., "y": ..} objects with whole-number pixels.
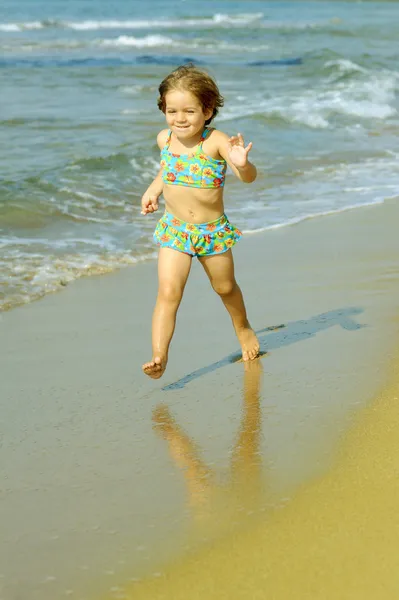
[{"x": 238, "y": 153}]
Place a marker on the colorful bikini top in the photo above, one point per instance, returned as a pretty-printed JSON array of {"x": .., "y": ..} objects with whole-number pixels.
[{"x": 193, "y": 170}]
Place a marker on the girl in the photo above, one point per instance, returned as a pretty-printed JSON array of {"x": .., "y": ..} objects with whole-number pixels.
[{"x": 194, "y": 159}]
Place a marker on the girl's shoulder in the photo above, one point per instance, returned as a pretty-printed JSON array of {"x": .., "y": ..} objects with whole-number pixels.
[
  {"x": 215, "y": 142},
  {"x": 216, "y": 135},
  {"x": 162, "y": 138}
]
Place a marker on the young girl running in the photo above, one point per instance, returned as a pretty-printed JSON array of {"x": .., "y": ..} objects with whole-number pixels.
[{"x": 194, "y": 159}]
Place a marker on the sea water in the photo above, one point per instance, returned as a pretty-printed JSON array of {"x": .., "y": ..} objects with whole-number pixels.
[{"x": 312, "y": 84}]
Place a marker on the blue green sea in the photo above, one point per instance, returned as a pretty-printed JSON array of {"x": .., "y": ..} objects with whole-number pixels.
[{"x": 314, "y": 86}]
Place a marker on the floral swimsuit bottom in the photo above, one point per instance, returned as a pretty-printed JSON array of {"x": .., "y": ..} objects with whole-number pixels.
[{"x": 196, "y": 239}]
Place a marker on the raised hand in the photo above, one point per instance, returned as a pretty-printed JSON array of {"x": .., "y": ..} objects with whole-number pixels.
[
  {"x": 149, "y": 204},
  {"x": 238, "y": 153}
]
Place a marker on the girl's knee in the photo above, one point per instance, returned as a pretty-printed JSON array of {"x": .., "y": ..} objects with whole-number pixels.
[
  {"x": 224, "y": 288},
  {"x": 168, "y": 291}
]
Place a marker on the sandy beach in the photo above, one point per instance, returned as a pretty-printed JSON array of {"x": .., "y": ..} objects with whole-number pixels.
[
  {"x": 337, "y": 537},
  {"x": 216, "y": 481}
]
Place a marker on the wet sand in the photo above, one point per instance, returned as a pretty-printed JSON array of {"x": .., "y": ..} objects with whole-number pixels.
[
  {"x": 110, "y": 477},
  {"x": 338, "y": 537}
]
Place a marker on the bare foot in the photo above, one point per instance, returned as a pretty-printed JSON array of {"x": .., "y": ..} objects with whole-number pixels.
[
  {"x": 249, "y": 343},
  {"x": 253, "y": 368},
  {"x": 155, "y": 368}
]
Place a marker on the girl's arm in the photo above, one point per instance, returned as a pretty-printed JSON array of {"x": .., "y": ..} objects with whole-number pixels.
[
  {"x": 149, "y": 201},
  {"x": 235, "y": 153}
]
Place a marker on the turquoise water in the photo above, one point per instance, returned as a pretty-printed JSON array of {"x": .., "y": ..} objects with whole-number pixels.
[{"x": 313, "y": 85}]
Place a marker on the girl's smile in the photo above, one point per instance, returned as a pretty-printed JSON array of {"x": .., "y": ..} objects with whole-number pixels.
[{"x": 185, "y": 115}]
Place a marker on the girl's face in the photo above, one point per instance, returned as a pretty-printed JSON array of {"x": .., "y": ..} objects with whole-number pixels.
[{"x": 184, "y": 114}]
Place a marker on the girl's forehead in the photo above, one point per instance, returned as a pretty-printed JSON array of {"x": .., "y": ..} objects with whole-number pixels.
[{"x": 181, "y": 97}]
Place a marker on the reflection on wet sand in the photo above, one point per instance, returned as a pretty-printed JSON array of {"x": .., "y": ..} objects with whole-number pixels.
[
  {"x": 217, "y": 506},
  {"x": 337, "y": 538}
]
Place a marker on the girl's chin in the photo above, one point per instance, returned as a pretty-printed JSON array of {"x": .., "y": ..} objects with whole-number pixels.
[{"x": 190, "y": 132}]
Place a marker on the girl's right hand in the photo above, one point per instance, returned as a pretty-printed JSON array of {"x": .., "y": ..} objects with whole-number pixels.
[{"x": 149, "y": 204}]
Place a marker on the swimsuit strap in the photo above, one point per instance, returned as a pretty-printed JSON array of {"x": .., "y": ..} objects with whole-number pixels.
[
  {"x": 203, "y": 138},
  {"x": 167, "y": 143}
]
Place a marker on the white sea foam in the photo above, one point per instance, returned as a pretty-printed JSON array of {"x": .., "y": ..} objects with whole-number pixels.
[
  {"x": 48, "y": 272},
  {"x": 84, "y": 195},
  {"x": 48, "y": 264},
  {"x": 369, "y": 98},
  {"x": 149, "y": 41},
  {"x": 366, "y": 100},
  {"x": 82, "y": 205},
  {"x": 135, "y": 90},
  {"x": 33, "y": 25},
  {"x": 372, "y": 95},
  {"x": 127, "y": 41},
  {"x": 11, "y": 27},
  {"x": 215, "y": 20},
  {"x": 306, "y": 217},
  {"x": 321, "y": 190},
  {"x": 345, "y": 66},
  {"x": 131, "y": 111}
]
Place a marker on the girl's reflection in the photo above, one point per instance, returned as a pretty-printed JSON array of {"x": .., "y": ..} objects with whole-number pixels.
[{"x": 224, "y": 504}]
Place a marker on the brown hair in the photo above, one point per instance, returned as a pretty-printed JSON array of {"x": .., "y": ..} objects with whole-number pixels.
[{"x": 191, "y": 79}]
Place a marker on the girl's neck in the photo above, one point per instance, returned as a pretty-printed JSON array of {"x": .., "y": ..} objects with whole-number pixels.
[{"x": 190, "y": 143}]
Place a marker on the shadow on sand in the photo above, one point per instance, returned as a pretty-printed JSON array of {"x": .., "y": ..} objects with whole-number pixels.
[{"x": 278, "y": 336}]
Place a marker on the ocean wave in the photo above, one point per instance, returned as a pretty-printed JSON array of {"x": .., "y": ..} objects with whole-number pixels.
[
  {"x": 128, "y": 41},
  {"x": 115, "y": 61},
  {"x": 14, "y": 27},
  {"x": 148, "y": 41},
  {"x": 92, "y": 189},
  {"x": 94, "y": 163},
  {"x": 362, "y": 93},
  {"x": 348, "y": 91},
  {"x": 216, "y": 20},
  {"x": 308, "y": 216},
  {"x": 47, "y": 273},
  {"x": 36, "y": 46},
  {"x": 204, "y": 43},
  {"x": 323, "y": 189},
  {"x": 103, "y": 61},
  {"x": 344, "y": 65},
  {"x": 34, "y": 266},
  {"x": 282, "y": 62},
  {"x": 48, "y": 266}
]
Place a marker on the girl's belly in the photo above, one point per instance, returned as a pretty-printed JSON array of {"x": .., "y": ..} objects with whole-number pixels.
[{"x": 193, "y": 205}]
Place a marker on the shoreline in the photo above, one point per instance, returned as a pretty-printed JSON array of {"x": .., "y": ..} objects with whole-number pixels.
[
  {"x": 152, "y": 256},
  {"x": 94, "y": 495}
]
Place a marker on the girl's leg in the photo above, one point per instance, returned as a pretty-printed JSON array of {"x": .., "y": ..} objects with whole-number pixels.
[
  {"x": 173, "y": 270},
  {"x": 220, "y": 270},
  {"x": 246, "y": 458},
  {"x": 199, "y": 478}
]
